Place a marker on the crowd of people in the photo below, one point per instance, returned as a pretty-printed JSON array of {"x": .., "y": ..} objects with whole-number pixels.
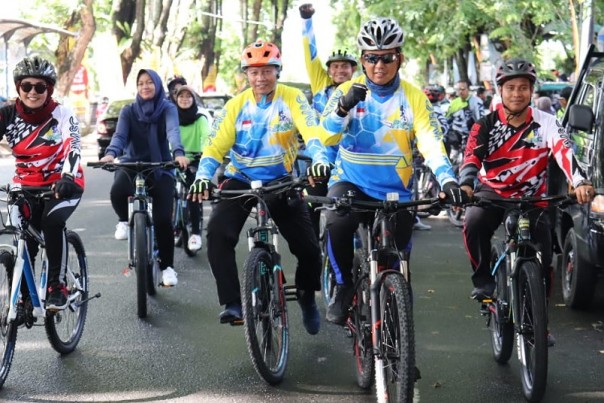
[{"x": 362, "y": 129}]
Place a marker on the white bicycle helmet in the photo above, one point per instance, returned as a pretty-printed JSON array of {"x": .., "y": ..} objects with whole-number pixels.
[{"x": 380, "y": 34}]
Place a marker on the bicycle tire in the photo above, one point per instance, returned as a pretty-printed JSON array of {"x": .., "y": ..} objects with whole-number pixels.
[
  {"x": 141, "y": 262},
  {"x": 328, "y": 280},
  {"x": 265, "y": 316},
  {"x": 8, "y": 329},
  {"x": 361, "y": 335},
  {"x": 532, "y": 335},
  {"x": 500, "y": 321},
  {"x": 154, "y": 272},
  {"x": 456, "y": 217},
  {"x": 395, "y": 366},
  {"x": 64, "y": 328}
]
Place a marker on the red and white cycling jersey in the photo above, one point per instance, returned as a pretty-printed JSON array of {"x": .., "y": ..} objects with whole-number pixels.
[
  {"x": 513, "y": 160},
  {"x": 43, "y": 152}
]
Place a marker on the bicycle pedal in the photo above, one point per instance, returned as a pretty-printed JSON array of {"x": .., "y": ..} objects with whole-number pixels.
[{"x": 236, "y": 322}]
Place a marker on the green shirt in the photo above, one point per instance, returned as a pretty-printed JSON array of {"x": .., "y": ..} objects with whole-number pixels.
[{"x": 194, "y": 136}]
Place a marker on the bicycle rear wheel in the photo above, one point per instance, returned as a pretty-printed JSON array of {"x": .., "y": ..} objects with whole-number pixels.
[
  {"x": 8, "y": 330},
  {"x": 141, "y": 262},
  {"x": 64, "y": 328},
  {"x": 500, "y": 321},
  {"x": 532, "y": 336},
  {"x": 395, "y": 366},
  {"x": 265, "y": 315}
]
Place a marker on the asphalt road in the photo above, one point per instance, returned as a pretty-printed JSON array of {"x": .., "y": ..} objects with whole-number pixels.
[{"x": 181, "y": 353}]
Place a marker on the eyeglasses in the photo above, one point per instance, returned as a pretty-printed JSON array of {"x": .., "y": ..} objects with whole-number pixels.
[
  {"x": 386, "y": 59},
  {"x": 461, "y": 89},
  {"x": 39, "y": 87}
]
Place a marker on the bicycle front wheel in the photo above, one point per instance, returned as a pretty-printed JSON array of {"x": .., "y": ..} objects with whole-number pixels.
[
  {"x": 500, "y": 321},
  {"x": 361, "y": 334},
  {"x": 395, "y": 366},
  {"x": 64, "y": 328},
  {"x": 265, "y": 316},
  {"x": 141, "y": 262},
  {"x": 532, "y": 336},
  {"x": 8, "y": 330}
]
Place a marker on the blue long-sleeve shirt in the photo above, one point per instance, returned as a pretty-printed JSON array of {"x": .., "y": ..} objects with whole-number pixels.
[{"x": 130, "y": 141}]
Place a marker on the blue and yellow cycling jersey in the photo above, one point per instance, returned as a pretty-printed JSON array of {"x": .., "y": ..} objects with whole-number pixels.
[
  {"x": 261, "y": 140},
  {"x": 321, "y": 85},
  {"x": 376, "y": 140}
]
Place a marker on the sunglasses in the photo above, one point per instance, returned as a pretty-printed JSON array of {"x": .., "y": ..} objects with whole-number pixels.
[
  {"x": 39, "y": 87},
  {"x": 386, "y": 59}
]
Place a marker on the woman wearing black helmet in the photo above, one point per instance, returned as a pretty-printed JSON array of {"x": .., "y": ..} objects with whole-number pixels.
[
  {"x": 506, "y": 155},
  {"x": 45, "y": 140}
]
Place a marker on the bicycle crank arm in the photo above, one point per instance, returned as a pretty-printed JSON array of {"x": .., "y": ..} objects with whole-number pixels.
[{"x": 80, "y": 303}]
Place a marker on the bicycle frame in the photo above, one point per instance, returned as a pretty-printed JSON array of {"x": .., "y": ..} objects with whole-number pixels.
[
  {"x": 140, "y": 203},
  {"x": 23, "y": 268}
]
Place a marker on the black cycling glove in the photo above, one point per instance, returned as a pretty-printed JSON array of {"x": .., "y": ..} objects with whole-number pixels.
[
  {"x": 318, "y": 170},
  {"x": 356, "y": 94},
  {"x": 455, "y": 195},
  {"x": 66, "y": 187},
  {"x": 200, "y": 186},
  {"x": 306, "y": 11}
]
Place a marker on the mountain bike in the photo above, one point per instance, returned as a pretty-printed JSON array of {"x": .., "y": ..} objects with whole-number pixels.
[
  {"x": 142, "y": 249},
  {"x": 519, "y": 302},
  {"x": 264, "y": 293},
  {"x": 180, "y": 214},
  {"x": 22, "y": 295},
  {"x": 381, "y": 317}
]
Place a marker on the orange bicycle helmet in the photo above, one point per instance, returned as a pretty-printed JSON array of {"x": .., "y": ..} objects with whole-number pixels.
[{"x": 261, "y": 53}]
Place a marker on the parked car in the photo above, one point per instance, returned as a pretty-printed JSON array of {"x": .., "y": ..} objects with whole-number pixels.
[
  {"x": 212, "y": 102},
  {"x": 579, "y": 229},
  {"x": 107, "y": 123}
]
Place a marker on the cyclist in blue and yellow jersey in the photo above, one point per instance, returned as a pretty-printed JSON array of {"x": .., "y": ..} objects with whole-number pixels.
[
  {"x": 340, "y": 65},
  {"x": 339, "y": 68},
  {"x": 377, "y": 119},
  {"x": 259, "y": 129}
]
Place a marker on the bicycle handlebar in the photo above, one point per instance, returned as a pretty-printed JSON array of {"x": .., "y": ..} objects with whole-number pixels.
[
  {"x": 290, "y": 183},
  {"x": 41, "y": 192},
  {"x": 135, "y": 166},
  {"x": 552, "y": 201},
  {"x": 350, "y": 202}
]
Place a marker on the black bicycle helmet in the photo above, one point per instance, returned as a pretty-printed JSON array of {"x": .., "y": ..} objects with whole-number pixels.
[
  {"x": 380, "y": 34},
  {"x": 341, "y": 56},
  {"x": 35, "y": 67},
  {"x": 173, "y": 81},
  {"x": 515, "y": 68}
]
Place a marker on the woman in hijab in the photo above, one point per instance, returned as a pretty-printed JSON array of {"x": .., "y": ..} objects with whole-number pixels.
[
  {"x": 148, "y": 131},
  {"x": 194, "y": 130}
]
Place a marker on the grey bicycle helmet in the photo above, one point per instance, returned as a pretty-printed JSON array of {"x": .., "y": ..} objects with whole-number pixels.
[
  {"x": 341, "y": 56},
  {"x": 35, "y": 67},
  {"x": 380, "y": 34},
  {"x": 515, "y": 68}
]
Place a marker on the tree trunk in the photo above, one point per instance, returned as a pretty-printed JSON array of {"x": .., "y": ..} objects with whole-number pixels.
[
  {"x": 130, "y": 54},
  {"x": 70, "y": 55}
]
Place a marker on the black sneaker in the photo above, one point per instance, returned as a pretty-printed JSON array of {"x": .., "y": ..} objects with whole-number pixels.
[
  {"x": 232, "y": 313},
  {"x": 57, "y": 298},
  {"x": 337, "y": 310},
  {"x": 310, "y": 313},
  {"x": 483, "y": 292}
]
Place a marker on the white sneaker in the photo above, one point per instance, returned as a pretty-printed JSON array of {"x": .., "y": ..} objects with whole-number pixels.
[
  {"x": 420, "y": 226},
  {"x": 168, "y": 276},
  {"x": 194, "y": 242},
  {"x": 121, "y": 230}
]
